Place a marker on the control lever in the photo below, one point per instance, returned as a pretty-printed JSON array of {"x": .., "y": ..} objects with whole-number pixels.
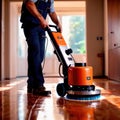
[{"x": 68, "y": 51}]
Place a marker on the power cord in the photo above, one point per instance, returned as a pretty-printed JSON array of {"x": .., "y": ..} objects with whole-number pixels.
[
  {"x": 60, "y": 70},
  {"x": 43, "y": 65},
  {"x": 60, "y": 65}
]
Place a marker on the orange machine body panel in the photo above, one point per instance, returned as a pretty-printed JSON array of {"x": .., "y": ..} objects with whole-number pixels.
[
  {"x": 59, "y": 39},
  {"x": 78, "y": 76}
]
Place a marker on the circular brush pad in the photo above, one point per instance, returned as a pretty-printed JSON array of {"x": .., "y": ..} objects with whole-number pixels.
[{"x": 83, "y": 97}]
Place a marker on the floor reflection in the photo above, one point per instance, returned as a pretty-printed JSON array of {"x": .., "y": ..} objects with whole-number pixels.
[
  {"x": 16, "y": 104},
  {"x": 78, "y": 110}
]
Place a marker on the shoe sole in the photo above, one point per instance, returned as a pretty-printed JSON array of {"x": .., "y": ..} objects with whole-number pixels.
[{"x": 42, "y": 93}]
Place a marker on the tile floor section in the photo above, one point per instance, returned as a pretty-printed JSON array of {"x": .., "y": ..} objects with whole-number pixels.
[{"x": 16, "y": 104}]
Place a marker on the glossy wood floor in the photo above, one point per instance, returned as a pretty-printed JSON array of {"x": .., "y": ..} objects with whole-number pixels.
[{"x": 16, "y": 104}]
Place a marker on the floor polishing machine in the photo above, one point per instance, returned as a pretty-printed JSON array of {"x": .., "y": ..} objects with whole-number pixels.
[{"x": 78, "y": 77}]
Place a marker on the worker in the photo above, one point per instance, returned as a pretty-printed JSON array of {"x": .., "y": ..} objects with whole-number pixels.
[{"x": 33, "y": 18}]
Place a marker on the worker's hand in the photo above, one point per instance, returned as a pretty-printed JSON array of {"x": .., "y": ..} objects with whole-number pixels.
[
  {"x": 34, "y": 11},
  {"x": 60, "y": 27},
  {"x": 43, "y": 23}
]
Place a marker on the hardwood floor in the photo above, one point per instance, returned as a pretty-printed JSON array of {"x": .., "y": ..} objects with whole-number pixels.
[{"x": 16, "y": 104}]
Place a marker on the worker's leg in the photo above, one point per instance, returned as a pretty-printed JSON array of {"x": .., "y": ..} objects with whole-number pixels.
[{"x": 36, "y": 44}]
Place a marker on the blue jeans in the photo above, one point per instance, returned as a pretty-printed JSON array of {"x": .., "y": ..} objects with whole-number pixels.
[{"x": 35, "y": 38}]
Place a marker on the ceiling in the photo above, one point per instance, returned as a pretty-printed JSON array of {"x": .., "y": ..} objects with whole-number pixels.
[
  {"x": 66, "y": 7},
  {"x": 70, "y": 7}
]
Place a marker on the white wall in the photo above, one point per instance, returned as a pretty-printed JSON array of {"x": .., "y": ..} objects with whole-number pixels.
[{"x": 95, "y": 28}]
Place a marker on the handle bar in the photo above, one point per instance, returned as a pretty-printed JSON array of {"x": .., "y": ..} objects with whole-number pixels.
[{"x": 52, "y": 26}]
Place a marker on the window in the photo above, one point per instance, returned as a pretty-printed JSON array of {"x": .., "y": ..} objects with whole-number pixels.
[{"x": 73, "y": 33}]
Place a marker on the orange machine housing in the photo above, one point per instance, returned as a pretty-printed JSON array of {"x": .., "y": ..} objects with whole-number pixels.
[
  {"x": 59, "y": 39},
  {"x": 80, "y": 76}
]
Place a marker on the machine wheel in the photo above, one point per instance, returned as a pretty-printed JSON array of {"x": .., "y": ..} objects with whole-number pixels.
[{"x": 61, "y": 89}]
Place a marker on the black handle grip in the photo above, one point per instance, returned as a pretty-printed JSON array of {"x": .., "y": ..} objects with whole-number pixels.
[{"x": 54, "y": 26}]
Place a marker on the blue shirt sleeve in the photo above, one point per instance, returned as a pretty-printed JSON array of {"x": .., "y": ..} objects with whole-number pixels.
[
  {"x": 51, "y": 7},
  {"x": 30, "y": 0}
]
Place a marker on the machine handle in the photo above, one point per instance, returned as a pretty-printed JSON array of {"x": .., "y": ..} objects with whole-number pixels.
[{"x": 54, "y": 26}]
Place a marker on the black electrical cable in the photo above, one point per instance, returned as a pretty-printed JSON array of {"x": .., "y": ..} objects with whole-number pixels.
[
  {"x": 60, "y": 70},
  {"x": 44, "y": 59}
]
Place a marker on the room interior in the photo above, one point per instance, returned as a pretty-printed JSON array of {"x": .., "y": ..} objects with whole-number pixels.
[{"x": 102, "y": 53}]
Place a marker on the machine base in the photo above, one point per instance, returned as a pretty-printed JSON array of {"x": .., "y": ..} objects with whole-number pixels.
[{"x": 92, "y": 95}]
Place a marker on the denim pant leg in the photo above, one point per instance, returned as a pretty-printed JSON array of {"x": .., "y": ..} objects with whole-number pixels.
[{"x": 36, "y": 46}]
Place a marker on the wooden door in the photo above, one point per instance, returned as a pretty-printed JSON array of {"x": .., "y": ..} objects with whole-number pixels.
[
  {"x": 114, "y": 23},
  {"x": 0, "y": 36},
  {"x": 114, "y": 39}
]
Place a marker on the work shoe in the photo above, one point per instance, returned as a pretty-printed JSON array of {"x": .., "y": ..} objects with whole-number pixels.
[
  {"x": 41, "y": 91},
  {"x": 31, "y": 90}
]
